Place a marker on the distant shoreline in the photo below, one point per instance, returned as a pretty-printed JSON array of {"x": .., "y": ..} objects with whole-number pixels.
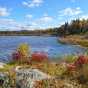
[{"x": 27, "y": 33}]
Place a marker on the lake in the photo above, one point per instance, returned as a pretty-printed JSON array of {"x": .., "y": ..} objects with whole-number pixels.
[{"x": 50, "y": 45}]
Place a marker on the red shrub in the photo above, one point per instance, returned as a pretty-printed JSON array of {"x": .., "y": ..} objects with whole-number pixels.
[
  {"x": 16, "y": 56},
  {"x": 81, "y": 60},
  {"x": 71, "y": 67},
  {"x": 39, "y": 56}
]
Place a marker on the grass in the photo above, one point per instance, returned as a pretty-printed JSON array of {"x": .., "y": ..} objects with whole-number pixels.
[
  {"x": 47, "y": 67},
  {"x": 75, "y": 39},
  {"x": 70, "y": 58},
  {"x": 56, "y": 70}
]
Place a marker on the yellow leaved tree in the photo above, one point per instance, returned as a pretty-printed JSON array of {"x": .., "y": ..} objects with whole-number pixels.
[{"x": 24, "y": 52}]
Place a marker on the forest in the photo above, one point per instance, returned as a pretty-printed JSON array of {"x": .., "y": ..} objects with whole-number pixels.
[{"x": 74, "y": 27}]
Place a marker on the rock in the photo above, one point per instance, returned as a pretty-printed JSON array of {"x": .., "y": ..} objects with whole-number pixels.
[
  {"x": 2, "y": 65},
  {"x": 67, "y": 85},
  {"x": 26, "y": 77},
  {"x": 4, "y": 81}
]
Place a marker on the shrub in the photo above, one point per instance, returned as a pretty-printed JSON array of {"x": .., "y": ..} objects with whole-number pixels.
[
  {"x": 70, "y": 59},
  {"x": 22, "y": 53},
  {"x": 16, "y": 56},
  {"x": 39, "y": 56},
  {"x": 81, "y": 60},
  {"x": 82, "y": 75},
  {"x": 71, "y": 67},
  {"x": 23, "y": 49},
  {"x": 84, "y": 71}
]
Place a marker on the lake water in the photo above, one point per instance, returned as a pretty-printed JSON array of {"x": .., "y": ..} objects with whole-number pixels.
[{"x": 50, "y": 45}]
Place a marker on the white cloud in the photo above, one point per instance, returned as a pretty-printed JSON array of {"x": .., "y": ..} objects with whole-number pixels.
[
  {"x": 33, "y": 3},
  {"x": 42, "y": 22},
  {"x": 10, "y": 24},
  {"x": 4, "y": 11},
  {"x": 70, "y": 11},
  {"x": 84, "y": 16},
  {"x": 7, "y": 21},
  {"x": 45, "y": 19},
  {"x": 29, "y": 16}
]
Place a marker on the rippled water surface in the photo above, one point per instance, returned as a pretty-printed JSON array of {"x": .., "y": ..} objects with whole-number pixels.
[{"x": 49, "y": 45}]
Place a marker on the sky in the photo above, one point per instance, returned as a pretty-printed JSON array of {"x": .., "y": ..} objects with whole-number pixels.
[{"x": 40, "y": 14}]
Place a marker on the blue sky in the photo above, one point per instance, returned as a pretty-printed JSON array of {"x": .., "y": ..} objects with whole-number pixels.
[{"x": 34, "y": 14}]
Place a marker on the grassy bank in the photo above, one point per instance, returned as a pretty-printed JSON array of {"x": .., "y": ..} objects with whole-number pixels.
[{"x": 75, "y": 39}]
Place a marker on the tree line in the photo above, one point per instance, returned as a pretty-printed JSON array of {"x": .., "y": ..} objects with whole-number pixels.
[{"x": 74, "y": 27}]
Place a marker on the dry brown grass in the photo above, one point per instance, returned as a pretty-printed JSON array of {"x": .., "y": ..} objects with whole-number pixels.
[{"x": 75, "y": 39}]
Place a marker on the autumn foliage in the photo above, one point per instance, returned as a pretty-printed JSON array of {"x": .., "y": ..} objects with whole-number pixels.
[
  {"x": 71, "y": 67},
  {"x": 22, "y": 53},
  {"x": 81, "y": 60},
  {"x": 39, "y": 56},
  {"x": 16, "y": 56}
]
